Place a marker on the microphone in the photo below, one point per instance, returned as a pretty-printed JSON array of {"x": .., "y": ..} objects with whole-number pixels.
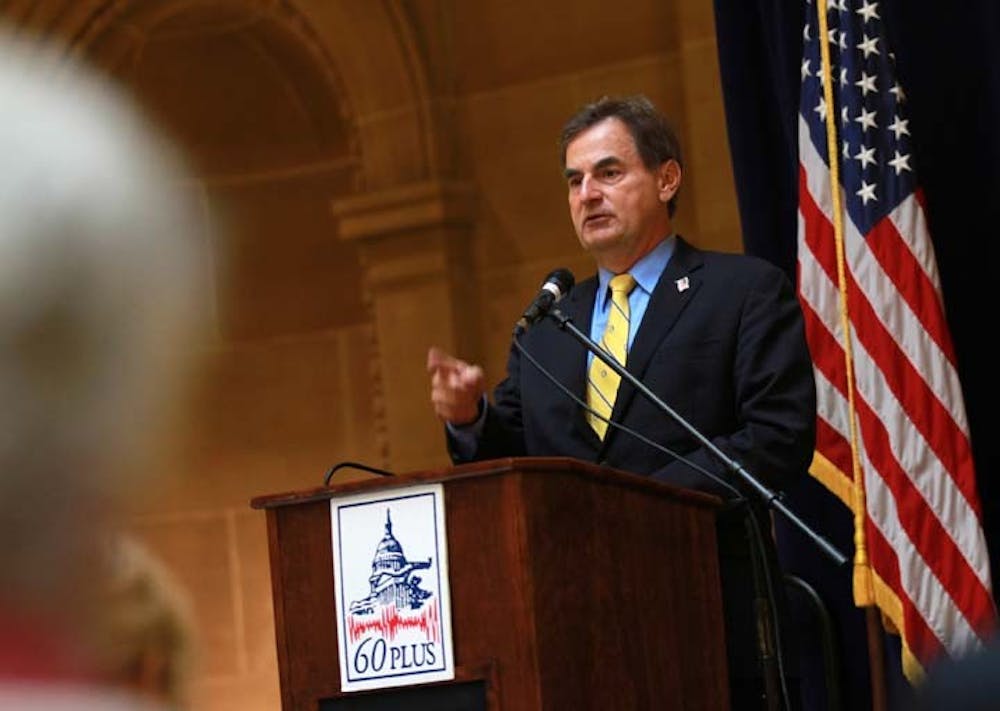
[{"x": 556, "y": 285}]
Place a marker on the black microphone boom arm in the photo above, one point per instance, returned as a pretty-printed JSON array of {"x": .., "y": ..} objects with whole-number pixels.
[{"x": 768, "y": 496}]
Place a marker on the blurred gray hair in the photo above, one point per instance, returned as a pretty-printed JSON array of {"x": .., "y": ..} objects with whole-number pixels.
[{"x": 98, "y": 260}]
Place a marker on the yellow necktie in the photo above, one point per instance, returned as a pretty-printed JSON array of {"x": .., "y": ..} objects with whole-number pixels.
[{"x": 602, "y": 381}]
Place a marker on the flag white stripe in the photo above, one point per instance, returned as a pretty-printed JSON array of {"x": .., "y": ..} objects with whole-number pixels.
[{"x": 831, "y": 405}]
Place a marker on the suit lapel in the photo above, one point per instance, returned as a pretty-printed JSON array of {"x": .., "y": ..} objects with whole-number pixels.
[{"x": 676, "y": 288}]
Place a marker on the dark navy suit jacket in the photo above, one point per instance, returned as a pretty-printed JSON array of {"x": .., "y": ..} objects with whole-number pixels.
[{"x": 722, "y": 342}]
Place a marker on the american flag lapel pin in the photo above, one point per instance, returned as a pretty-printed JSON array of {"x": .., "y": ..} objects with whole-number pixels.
[{"x": 682, "y": 284}]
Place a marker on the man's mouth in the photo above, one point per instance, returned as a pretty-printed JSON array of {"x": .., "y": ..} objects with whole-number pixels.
[{"x": 597, "y": 219}]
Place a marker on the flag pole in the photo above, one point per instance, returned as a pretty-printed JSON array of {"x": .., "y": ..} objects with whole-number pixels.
[
  {"x": 863, "y": 593},
  {"x": 862, "y": 582}
]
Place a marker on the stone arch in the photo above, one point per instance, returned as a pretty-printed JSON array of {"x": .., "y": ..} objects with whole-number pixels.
[{"x": 368, "y": 52}]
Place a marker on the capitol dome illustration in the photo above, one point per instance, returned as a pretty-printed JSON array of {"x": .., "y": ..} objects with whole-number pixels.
[{"x": 392, "y": 580}]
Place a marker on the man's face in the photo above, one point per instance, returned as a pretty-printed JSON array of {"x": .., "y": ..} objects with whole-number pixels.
[{"x": 618, "y": 206}]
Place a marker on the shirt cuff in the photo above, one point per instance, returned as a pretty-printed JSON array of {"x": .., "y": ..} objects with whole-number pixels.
[{"x": 465, "y": 438}]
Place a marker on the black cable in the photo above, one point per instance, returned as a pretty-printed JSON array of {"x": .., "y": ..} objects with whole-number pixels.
[
  {"x": 737, "y": 494},
  {"x": 354, "y": 465}
]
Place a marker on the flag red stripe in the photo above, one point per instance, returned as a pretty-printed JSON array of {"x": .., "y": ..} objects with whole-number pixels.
[{"x": 834, "y": 447}]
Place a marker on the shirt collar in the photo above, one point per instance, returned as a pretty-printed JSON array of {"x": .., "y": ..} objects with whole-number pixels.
[{"x": 646, "y": 271}]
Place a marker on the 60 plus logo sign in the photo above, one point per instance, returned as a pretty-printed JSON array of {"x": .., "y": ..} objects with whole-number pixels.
[{"x": 399, "y": 632}]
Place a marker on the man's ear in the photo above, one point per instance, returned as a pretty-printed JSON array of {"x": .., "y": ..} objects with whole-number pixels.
[{"x": 668, "y": 179}]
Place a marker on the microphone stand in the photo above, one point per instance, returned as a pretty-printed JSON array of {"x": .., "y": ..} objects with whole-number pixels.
[{"x": 768, "y": 496}]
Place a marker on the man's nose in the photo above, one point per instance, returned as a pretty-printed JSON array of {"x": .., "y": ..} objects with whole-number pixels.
[{"x": 589, "y": 188}]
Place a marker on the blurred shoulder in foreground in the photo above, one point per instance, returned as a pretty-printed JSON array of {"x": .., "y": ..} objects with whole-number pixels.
[{"x": 971, "y": 683}]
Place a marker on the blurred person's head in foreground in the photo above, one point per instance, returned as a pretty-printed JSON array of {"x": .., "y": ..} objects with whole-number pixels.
[{"x": 97, "y": 316}]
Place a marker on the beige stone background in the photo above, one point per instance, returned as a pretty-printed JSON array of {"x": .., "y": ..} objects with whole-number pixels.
[{"x": 380, "y": 175}]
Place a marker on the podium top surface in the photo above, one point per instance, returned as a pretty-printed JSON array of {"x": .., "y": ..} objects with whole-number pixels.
[{"x": 532, "y": 466}]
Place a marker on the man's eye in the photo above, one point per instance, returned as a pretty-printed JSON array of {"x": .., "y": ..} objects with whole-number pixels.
[{"x": 611, "y": 173}]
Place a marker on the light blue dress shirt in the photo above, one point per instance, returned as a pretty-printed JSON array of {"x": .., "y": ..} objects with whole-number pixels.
[{"x": 646, "y": 273}]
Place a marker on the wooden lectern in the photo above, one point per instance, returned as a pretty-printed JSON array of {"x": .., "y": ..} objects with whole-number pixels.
[{"x": 572, "y": 587}]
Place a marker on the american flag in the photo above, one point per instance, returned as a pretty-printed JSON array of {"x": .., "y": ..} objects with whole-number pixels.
[{"x": 892, "y": 437}]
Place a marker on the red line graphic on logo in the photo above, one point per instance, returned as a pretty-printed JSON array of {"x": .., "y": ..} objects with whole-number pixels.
[{"x": 388, "y": 622}]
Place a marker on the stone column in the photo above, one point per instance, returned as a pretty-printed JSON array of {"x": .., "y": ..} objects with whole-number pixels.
[{"x": 414, "y": 244}]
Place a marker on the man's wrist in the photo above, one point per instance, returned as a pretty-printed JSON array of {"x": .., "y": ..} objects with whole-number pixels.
[{"x": 473, "y": 425}]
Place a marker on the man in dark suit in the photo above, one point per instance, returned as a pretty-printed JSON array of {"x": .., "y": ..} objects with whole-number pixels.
[{"x": 718, "y": 337}]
